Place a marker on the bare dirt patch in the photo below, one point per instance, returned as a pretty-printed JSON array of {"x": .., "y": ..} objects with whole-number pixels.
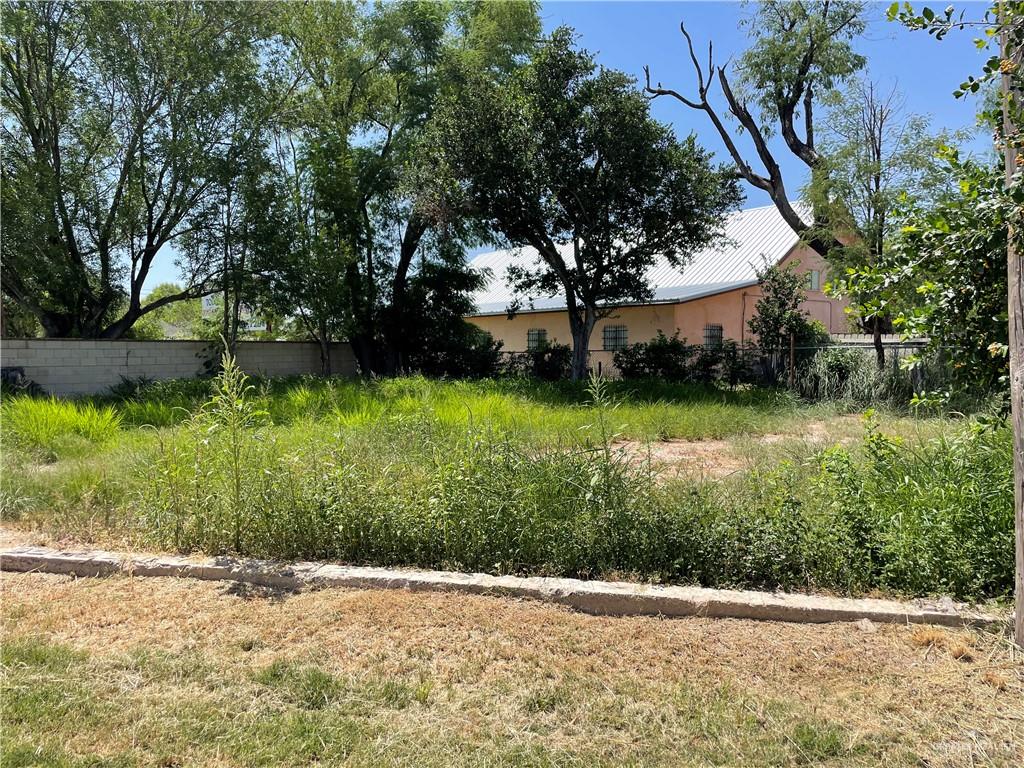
[
  {"x": 715, "y": 459},
  {"x": 694, "y": 458},
  {"x": 13, "y": 537}
]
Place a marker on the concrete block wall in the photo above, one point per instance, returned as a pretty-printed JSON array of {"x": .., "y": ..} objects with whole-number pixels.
[{"x": 86, "y": 366}]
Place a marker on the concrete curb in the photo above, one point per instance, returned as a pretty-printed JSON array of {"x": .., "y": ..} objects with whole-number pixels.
[{"x": 597, "y": 597}]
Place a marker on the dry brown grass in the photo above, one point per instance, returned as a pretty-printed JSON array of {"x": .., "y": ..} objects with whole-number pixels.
[{"x": 537, "y": 675}]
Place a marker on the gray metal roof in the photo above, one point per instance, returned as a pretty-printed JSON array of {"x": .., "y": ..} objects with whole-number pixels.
[{"x": 753, "y": 237}]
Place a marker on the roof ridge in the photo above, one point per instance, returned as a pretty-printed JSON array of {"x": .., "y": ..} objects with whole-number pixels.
[{"x": 731, "y": 261}]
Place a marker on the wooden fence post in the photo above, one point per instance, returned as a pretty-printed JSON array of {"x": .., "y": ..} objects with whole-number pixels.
[{"x": 792, "y": 361}]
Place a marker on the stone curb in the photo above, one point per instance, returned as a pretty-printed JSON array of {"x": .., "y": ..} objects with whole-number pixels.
[{"x": 596, "y": 597}]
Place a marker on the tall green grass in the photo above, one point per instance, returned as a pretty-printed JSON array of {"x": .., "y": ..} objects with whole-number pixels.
[
  {"x": 440, "y": 491},
  {"x": 539, "y": 412},
  {"x": 50, "y": 427}
]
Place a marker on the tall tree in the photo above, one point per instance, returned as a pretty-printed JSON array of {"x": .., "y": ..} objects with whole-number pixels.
[
  {"x": 178, "y": 320},
  {"x": 117, "y": 115},
  {"x": 566, "y": 158},
  {"x": 876, "y": 157},
  {"x": 800, "y": 51},
  {"x": 942, "y": 274},
  {"x": 371, "y": 81},
  {"x": 779, "y": 319},
  {"x": 302, "y": 247}
]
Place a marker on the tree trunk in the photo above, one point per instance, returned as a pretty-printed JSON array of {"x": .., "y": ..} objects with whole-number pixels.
[
  {"x": 363, "y": 348},
  {"x": 1015, "y": 284},
  {"x": 876, "y": 337},
  {"x": 396, "y": 325},
  {"x": 55, "y": 325},
  {"x": 362, "y": 337},
  {"x": 792, "y": 360},
  {"x": 120, "y": 327},
  {"x": 1015, "y": 276},
  {"x": 325, "y": 352},
  {"x": 582, "y": 323}
]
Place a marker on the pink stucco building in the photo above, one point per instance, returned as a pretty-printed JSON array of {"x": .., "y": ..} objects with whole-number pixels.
[{"x": 710, "y": 299}]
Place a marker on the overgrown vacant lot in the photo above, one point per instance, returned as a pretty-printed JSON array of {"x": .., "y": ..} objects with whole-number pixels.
[
  {"x": 648, "y": 481},
  {"x": 159, "y": 672}
]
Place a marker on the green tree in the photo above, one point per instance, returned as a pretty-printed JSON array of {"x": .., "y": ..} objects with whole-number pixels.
[
  {"x": 177, "y": 320},
  {"x": 442, "y": 342},
  {"x": 876, "y": 157},
  {"x": 117, "y": 115},
  {"x": 369, "y": 83},
  {"x": 778, "y": 318},
  {"x": 15, "y": 321},
  {"x": 800, "y": 52},
  {"x": 943, "y": 275},
  {"x": 566, "y": 158},
  {"x": 300, "y": 255}
]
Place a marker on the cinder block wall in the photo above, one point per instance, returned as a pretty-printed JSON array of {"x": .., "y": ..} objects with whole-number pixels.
[{"x": 85, "y": 366}]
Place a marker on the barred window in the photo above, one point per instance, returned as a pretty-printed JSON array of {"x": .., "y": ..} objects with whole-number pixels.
[
  {"x": 712, "y": 335},
  {"x": 536, "y": 338},
  {"x": 814, "y": 280},
  {"x": 615, "y": 337}
]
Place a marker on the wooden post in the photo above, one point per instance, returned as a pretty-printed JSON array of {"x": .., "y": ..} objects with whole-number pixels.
[
  {"x": 792, "y": 360},
  {"x": 1015, "y": 284}
]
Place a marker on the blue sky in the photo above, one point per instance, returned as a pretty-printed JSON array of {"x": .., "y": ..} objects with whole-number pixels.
[{"x": 628, "y": 35}]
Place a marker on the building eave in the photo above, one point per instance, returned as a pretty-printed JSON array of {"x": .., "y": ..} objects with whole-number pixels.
[{"x": 653, "y": 302}]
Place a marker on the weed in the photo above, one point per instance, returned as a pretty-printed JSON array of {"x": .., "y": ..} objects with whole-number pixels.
[
  {"x": 525, "y": 477},
  {"x": 51, "y": 427}
]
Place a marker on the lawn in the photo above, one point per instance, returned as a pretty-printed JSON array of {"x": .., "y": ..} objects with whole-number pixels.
[
  {"x": 649, "y": 481},
  {"x": 162, "y": 672}
]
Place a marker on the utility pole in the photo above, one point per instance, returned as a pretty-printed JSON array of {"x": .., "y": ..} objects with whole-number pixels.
[{"x": 1010, "y": 54}]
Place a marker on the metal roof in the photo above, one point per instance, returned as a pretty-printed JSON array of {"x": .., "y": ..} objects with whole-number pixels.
[{"x": 753, "y": 237}]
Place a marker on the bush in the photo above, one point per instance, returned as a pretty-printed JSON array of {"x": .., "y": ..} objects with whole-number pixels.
[
  {"x": 144, "y": 402},
  {"x": 671, "y": 359},
  {"x": 934, "y": 519},
  {"x": 550, "y": 361},
  {"x": 851, "y": 374},
  {"x": 662, "y": 357},
  {"x": 464, "y": 351},
  {"x": 829, "y": 373},
  {"x": 212, "y": 490}
]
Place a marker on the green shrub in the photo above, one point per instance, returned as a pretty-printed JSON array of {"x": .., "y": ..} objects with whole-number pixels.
[
  {"x": 551, "y": 361},
  {"x": 50, "y": 426},
  {"x": 671, "y": 359},
  {"x": 210, "y": 488},
  {"x": 938, "y": 518},
  {"x": 662, "y": 357},
  {"x": 144, "y": 402},
  {"x": 850, "y": 374},
  {"x": 463, "y": 350}
]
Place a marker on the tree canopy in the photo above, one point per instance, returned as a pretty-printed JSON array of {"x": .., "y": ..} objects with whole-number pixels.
[
  {"x": 272, "y": 149},
  {"x": 351, "y": 162},
  {"x": 800, "y": 51},
  {"x": 565, "y": 158},
  {"x": 943, "y": 276},
  {"x": 120, "y": 115}
]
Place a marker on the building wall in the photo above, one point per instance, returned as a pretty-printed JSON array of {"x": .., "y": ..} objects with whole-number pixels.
[
  {"x": 84, "y": 366},
  {"x": 731, "y": 310}
]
